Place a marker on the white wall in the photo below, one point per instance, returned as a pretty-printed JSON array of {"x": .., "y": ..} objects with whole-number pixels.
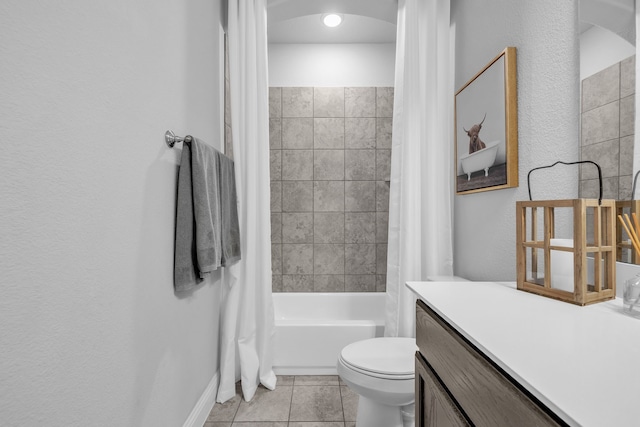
[
  {"x": 327, "y": 65},
  {"x": 599, "y": 49},
  {"x": 91, "y": 330},
  {"x": 545, "y": 35}
]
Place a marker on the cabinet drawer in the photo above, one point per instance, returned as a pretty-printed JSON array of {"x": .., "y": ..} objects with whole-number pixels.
[
  {"x": 434, "y": 406},
  {"x": 486, "y": 394}
]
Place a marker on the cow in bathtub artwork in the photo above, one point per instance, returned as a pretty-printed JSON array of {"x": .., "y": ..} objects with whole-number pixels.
[
  {"x": 481, "y": 156},
  {"x": 486, "y": 133}
]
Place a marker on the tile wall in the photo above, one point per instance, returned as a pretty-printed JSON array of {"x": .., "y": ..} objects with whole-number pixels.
[
  {"x": 608, "y": 115},
  {"x": 330, "y": 164}
]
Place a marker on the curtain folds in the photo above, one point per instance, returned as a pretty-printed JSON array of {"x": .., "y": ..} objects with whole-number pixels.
[
  {"x": 247, "y": 318},
  {"x": 420, "y": 199}
]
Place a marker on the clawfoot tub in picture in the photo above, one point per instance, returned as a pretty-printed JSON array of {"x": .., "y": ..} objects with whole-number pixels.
[{"x": 479, "y": 160}]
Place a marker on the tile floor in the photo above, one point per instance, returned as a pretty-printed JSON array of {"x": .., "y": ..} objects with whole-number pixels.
[{"x": 297, "y": 401}]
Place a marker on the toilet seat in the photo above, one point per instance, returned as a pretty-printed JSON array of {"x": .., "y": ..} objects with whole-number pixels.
[{"x": 386, "y": 358}]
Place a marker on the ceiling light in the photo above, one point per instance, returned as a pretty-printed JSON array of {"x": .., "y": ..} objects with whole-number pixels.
[{"x": 332, "y": 19}]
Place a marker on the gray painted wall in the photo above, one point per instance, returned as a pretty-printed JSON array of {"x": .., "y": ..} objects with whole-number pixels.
[
  {"x": 545, "y": 34},
  {"x": 92, "y": 332}
]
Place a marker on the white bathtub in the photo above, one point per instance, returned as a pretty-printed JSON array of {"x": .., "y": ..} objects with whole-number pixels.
[
  {"x": 312, "y": 328},
  {"x": 481, "y": 159}
]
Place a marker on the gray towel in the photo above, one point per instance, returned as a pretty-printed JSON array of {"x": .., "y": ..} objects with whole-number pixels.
[
  {"x": 230, "y": 232},
  {"x": 185, "y": 272},
  {"x": 206, "y": 206}
]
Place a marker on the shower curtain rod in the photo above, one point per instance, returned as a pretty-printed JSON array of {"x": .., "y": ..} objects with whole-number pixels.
[{"x": 171, "y": 139}]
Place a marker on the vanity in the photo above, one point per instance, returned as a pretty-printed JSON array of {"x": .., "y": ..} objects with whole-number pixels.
[{"x": 490, "y": 355}]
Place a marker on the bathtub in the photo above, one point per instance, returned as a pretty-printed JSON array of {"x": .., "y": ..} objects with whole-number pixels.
[
  {"x": 481, "y": 159},
  {"x": 312, "y": 328}
]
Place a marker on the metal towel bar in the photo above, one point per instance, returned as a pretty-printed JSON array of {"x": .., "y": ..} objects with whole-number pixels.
[{"x": 171, "y": 139}]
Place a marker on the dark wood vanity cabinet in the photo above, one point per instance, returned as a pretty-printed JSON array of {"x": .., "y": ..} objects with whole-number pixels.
[{"x": 457, "y": 385}]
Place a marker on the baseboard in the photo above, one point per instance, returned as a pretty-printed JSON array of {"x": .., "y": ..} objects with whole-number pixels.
[{"x": 200, "y": 412}]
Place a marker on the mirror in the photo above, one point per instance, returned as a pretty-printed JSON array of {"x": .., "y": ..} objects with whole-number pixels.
[{"x": 607, "y": 72}]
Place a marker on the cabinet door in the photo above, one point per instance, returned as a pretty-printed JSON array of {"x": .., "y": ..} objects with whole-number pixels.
[{"x": 434, "y": 406}]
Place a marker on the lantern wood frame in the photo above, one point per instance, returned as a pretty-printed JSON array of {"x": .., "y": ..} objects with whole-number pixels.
[
  {"x": 626, "y": 207},
  {"x": 603, "y": 249}
]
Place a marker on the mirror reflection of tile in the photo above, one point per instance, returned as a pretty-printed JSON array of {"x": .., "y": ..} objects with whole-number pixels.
[{"x": 607, "y": 130}]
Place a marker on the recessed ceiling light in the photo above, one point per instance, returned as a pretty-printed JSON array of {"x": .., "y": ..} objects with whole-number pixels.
[{"x": 332, "y": 19}]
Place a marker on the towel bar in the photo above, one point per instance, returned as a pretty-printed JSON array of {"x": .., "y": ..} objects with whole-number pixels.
[{"x": 170, "y": 138}]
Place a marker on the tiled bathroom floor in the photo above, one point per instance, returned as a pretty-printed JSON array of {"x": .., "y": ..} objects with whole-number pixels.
[{"x": 297, "y": 401}]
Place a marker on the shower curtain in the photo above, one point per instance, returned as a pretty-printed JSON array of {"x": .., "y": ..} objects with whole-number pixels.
[
  {"x": 247, "y": 318},
  {"x": 420, "y": 199}
]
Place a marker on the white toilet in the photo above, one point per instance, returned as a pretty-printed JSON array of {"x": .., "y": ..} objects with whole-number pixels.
[{"x": 382, "y": 372}]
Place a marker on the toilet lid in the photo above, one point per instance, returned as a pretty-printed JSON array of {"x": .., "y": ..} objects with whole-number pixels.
[{"x": 387, "y": 356}]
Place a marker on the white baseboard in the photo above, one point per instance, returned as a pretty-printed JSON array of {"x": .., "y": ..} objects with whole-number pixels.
[{"x": 200, "y": 412}]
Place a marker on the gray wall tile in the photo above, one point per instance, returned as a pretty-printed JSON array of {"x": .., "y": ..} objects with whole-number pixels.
[
  {"x": 360, "y": 102},
  {"x": 360, "y": 258},
  {"x": 276, "y": 227},
  {"x": 297, "y": 283},
  {"x": 276, "y": 196},
  {"x": 384, "y": 102},
  {"x": 297, "y": 133},
  {"x": 601, "y": 123},
  {"x": 382, "y": 227},
  {"x": 328, "y": 133},
  {"x": 381, "y": 258},
  {"x": 383, "y": 165},
  {"x": 628, "y": 77},
  {"x": 328, "y": 227},
  {"x": 276, "y": 258},
  {"x": 275, "y": 102},
  {"x": 297, "y": 227},
  {"x": 360, "y": 196},
  {"x": 589, "y": 189},
  {"x": 606, "y": 154},
  {"x": 382, "y": 196},
  {"x": 360, "y": 283},
  {"x": 360, "y": 133},
  {"x": 297, "y": 259},
  {"x": 328, "y": 196},
  {"x": 328, "y": 165},
  {"x": 276, "y": 282},
  {"x": 297, "y": 196},
  {"x": 360, "y": 227},
  {"x": 297, "y": 102},
  {"x": 328, "y": 102},
  {"x": 275, "y": 169},
  {"x": 328, "y": 258},
  {"x": 601, "y": 88},
  {"x": 328, "y": 283},
  {"x": 360, "y": 164},
  {"x": 308, "y": 166},
  {"x": 297, "y": 165},
  {"x": 626, "y": 155},
  {"x": 627, "y": 115},
  {"x": 625, "y": 184},
  {"x": 275, "y": 133},
  {"x": 384, "y": 127}
]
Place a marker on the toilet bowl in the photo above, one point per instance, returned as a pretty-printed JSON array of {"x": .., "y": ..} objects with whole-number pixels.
[{"x": 382, "y": 372}]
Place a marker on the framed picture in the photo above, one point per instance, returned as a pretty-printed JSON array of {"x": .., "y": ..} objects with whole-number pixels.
[{"x": 486, "y": 128}]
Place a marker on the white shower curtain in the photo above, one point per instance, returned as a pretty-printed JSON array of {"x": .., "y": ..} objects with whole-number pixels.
[
  {"x": 420, "y": 199},
  {"x": 247, "y": 318}
]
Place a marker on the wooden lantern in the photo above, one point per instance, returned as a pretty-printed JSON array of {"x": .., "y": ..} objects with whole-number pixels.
[
  {"x": 624, "y": 249},
  {"x": 581, "y": 272}
]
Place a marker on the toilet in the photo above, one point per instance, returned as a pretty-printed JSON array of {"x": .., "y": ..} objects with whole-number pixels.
[{"x": 381, "y": 371}]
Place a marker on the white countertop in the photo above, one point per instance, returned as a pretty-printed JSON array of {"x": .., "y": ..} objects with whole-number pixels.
[{"x": 582, "y": 362}]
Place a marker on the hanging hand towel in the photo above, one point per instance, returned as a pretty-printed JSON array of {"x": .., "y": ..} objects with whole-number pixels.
[
  {"x": 185, "y": 271},
  {"x": 206, "y": 206},
  {"x": 230, "y": 232}
]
